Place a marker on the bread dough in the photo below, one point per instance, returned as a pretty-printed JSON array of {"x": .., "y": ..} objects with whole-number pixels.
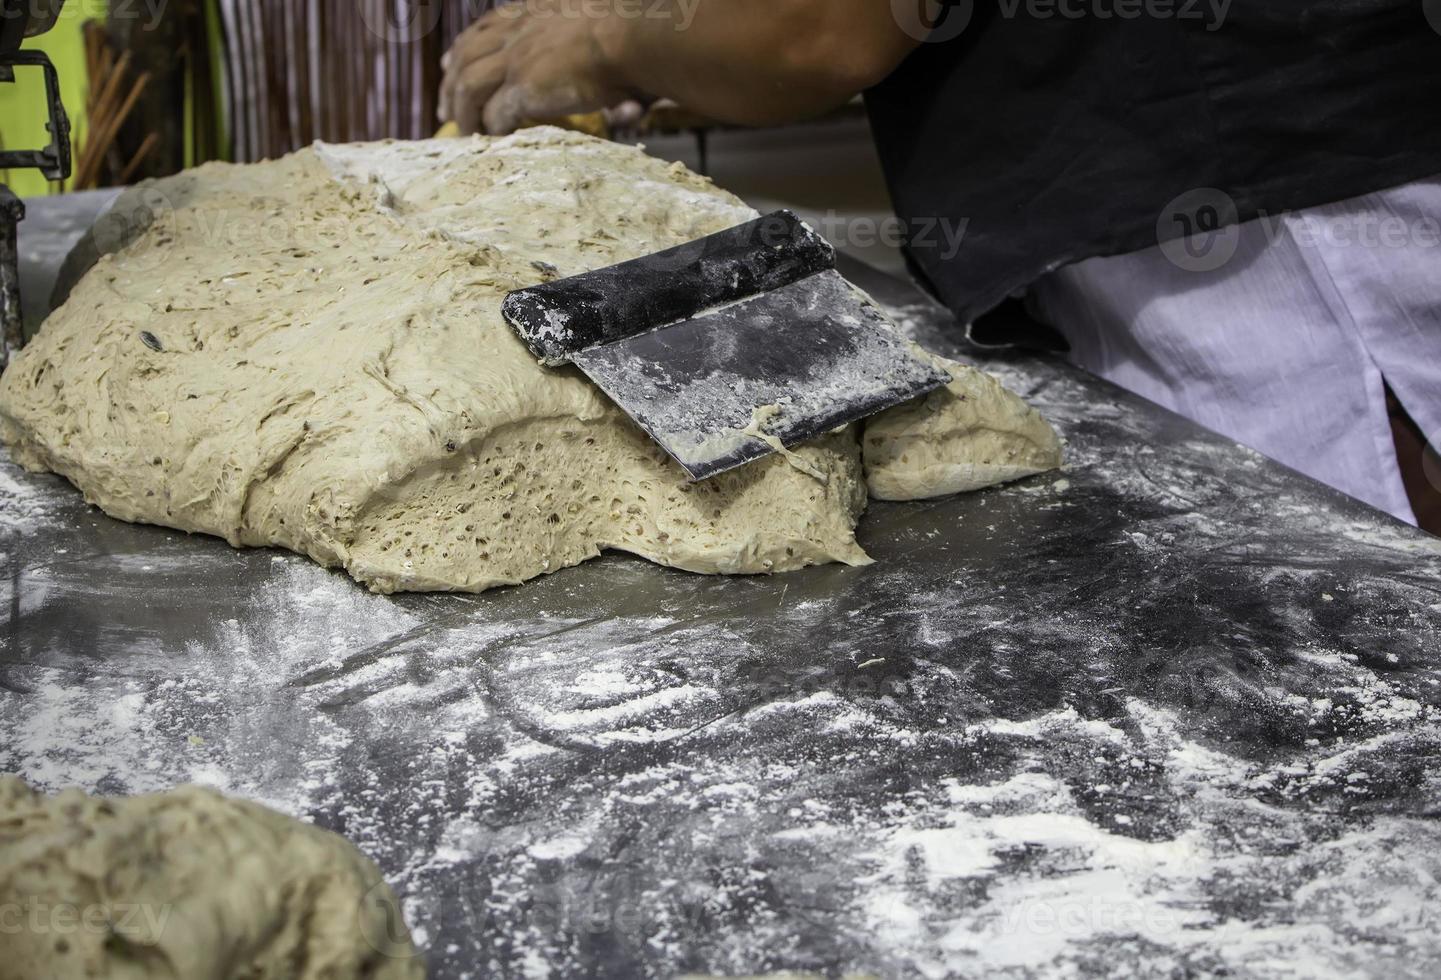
[
  {"x": 189, "y": 885},
  {"x": 973, "y": 433},
  {"x": 309, "y": 353}
]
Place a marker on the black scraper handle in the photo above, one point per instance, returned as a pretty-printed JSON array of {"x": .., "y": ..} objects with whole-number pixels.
[{"x": 561, "y": 318}]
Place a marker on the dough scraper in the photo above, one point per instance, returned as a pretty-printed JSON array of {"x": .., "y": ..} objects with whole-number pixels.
[{"x": 726, "y": 348}]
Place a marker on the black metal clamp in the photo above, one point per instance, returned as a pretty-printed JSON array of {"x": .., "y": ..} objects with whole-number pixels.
[{"x": 53, "y": 161}]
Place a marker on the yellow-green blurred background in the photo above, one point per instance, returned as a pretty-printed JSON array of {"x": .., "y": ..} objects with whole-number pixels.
[{"x": 22, "y": 103}]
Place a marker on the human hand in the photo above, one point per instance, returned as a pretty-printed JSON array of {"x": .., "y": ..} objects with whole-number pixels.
[{"x": 537, "y": 59}]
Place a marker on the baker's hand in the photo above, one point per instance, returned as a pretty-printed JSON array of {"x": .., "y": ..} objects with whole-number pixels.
[
  {"x": 752, "y": 62},
  {"x": 533, "y": 60}
]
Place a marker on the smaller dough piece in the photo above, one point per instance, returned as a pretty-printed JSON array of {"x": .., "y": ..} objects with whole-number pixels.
[
  {"x": 187, "y": 885},
  {"x": 973, "y": 433}
]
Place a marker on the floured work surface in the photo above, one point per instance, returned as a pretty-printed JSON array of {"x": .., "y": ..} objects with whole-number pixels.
[{"x": 1172, "y": 709}]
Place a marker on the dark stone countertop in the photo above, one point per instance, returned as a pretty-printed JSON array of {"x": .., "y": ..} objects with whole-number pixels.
[{"x": 1171, "y": 711}]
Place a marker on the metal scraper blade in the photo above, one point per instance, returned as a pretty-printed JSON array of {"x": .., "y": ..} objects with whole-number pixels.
[{"x": 710, "y": 344}]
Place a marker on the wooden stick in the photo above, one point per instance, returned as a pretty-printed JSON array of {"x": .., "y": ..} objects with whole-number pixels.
[
  {"x": 114, "y": 75},
  {"x": 103, "y": 105},
  {"x": 93, "y": 42},
  {"x": 138, "y": 159},
  {"x": 110, "y": 93},
  {"x": 104, "y": 133},
  {"x": 112, "y": 127}
]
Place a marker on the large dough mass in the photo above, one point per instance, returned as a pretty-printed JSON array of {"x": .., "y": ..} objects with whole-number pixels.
[
  {"x": 187, "y": 885},
  {"x": 309, "y": 353}
]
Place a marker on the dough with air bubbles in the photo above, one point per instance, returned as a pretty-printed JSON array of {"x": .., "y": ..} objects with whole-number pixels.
[{"x": 309, "y": 353}]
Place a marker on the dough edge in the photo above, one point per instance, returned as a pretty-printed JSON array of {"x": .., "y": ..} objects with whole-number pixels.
[{"x": 971, "y": 434}]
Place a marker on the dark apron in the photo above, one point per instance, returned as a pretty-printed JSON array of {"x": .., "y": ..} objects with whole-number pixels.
[{"x": 1055, "y": 140}]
